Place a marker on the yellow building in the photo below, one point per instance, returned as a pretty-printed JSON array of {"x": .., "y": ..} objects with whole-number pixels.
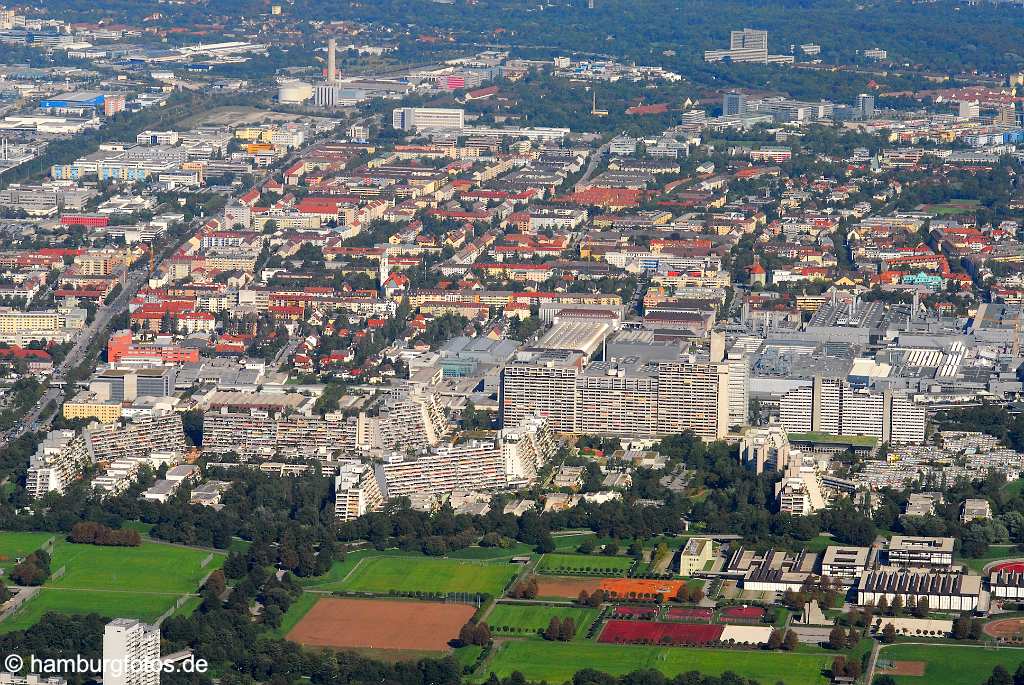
[
  {"x": 695, "y": 555},
  {"x": 86, "y": 405}
]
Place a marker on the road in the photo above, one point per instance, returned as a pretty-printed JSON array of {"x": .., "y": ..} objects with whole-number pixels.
[{"x": 595, "y": 160}]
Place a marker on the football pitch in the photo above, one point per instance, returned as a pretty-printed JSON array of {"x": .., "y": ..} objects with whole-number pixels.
[
  {"x": 527, "y": 619},
  {"x": 133, "y": 582},
  {"x": 405, "y": 574},
  {"x": 557, "y": 662},
  {"x": 951, "y": 664}
]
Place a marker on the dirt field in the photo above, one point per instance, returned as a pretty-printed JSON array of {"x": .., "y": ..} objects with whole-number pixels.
[
  {"x": 381, "y": 624},
  {"x": 1006, "y": 629},
  {"x": 905, "y": 668},
  {"x": 559, "y": 586}
]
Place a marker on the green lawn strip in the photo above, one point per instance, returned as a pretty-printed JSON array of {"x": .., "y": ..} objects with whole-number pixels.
[
  {"x": 151, "y": 567},
  {"x": 189, "y": 607},
  {"x": 467, "y": 656},
  {"x": 526, "y": 619},
  {"x": 147, "y": 607},
  {"x": 427, "y": 574},
  {"x": 17, "y": 544},
  {"x": 492, "y": 553},
  {"x": 950, "y": 664},
  {"x": 299, "y": 608},
  {"x": 596, "y": 563},
  {"x": 332, "y": 580},
  {"x": 557, "y": 662},
  {"x": 994, "y": 553}
]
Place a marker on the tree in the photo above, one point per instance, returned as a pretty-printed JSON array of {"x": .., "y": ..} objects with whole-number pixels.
[
  {"x": 791, "y": 641},
  {"x": 838, "y": 666},
  {"x": 852, "y": 637},
  {"x": 883, "y": 605},
  {"x": 888, "y": 634},
  {"x": 481, "y": 634},
  {"x": 215, "y": 583},
  {"x": 554, "y": 630},
  {"x": 1000, "y": 676},
  {"x": 774, "y": 640},
  {"x": 962, "y": 628},
  {"x": 583, "y": 599},
  {"x": 567, "y": 629},
  {"x": 466, "y": 634},
  {"x": 922, "y": 608},
  {"x": 1018, "y": 675},
  {"x": 837, "y": 638},
  {"x": 897, "y": 605}
]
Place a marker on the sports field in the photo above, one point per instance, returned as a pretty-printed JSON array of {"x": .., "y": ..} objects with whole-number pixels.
[
  {"x": 151, "y": 567},
  {"x": 15, "y": 545},
  {"x": 381, "y": 624},
  {"x": 424, "y": 574},
  {"x": 527, "y": 619},
  {"x": 584, "y": 563},
  {"x": 147, "y": 607},
  {"x": 139, "y": 582},
  {"x": 557, "y": 662},
  {"x": 949, "y": 664}
]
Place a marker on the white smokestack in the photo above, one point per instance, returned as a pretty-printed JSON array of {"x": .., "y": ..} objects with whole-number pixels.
[{"x": 332, "y": 71}]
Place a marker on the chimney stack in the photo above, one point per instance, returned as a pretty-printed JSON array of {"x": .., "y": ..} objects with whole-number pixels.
[{"x": 332, "y": 71}]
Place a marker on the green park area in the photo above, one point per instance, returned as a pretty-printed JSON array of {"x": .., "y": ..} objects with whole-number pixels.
[
  {"x": 382, "y": 574},
  {"x": 591, "y": 564},
  {"x": 14, "y": 546}
]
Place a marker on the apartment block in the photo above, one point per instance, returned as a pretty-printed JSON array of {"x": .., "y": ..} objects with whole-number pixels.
[
  {"x": 130, "y": 649},
  {"x": 138, "y": 438},
  {"x": 542, "y": 382},
  {"x": 57, "y": 462},
  {"x": 261, "y": 434},
  {"x": 356, "y": 491},
  {"x": 832, "y": 405}
]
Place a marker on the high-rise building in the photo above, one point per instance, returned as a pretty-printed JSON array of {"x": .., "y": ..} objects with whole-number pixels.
[
  {"x": 969, "y": 109},
  {"x": 747, "y": 45},
  {"x": 137, "y": 438},
  {"x": 408, "y": 418},
  {"x": 131, "y": 653},
  {"x": 693, "y": 395},
  {"x": 734, "y": 103},
  {"x": 58, "y": 460},
  {"x": 833, "y": 406},
  {"x": 866, "y": 106},
  {"x": 356, "y": 491},
  {"x": 541, "y": 382},
  {"x": 416, "y": 118}
]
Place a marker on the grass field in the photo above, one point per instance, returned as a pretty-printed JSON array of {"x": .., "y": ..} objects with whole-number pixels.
[
  {"x": 138, "y": 582},
  {"x": 994, "y": 553},
  {"x": 151, "y": 567},
  {"x": 147, "y": 607},
  {"x": 579, "y": 563},
  {"x": 296, "y": 611},
  {"x": 557, "y": 662},
  {"x": 951, "y": 664},
  {"x": 529, "y": 618},
  {"x": 425, "y": 574},
  {"x": 14, "y": 545}
]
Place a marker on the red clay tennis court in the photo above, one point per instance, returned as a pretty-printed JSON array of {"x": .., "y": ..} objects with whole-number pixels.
[
  {"x": 655, "y": 632},
  {"x": 689, "y": 614},
  {"x": 641, "y": 587},
  {"x": 742, "y": 614},
  {"x": 636, "y": 612}
]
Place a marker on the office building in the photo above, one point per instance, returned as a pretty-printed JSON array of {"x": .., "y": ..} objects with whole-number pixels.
[
  {"x": 833, "y": 406},
  {"x": 847, "y": 563},
  {"x": 356, "y": 491},
  {"x": 920, "y": 552},
  {"x": 417, "y": 118},
  {"x": 695, "y": 555},
  {"x": 747, "y": 45},
  {"x": 131, "y": 653},
  {"x": 734, "y": 103},
  {"x": 57, "y": 462},
  {"x": 866, "y": 106}
]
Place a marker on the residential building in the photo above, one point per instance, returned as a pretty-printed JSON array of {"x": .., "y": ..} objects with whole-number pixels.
[
  {"x": 131, "y": 653},
  {"x": 57, "y": 462},
  {"x": 543, "y": 383},
  {"x": 138, "y": 438},
  {"x": 356, "y": 491}
]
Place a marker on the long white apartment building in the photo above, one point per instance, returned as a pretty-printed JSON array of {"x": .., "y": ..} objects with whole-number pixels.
[
  {"x": 833, "y": 406},
  {"x": 408, "y": 418},
  {"x": 511, "y": 458},
  {"x": 57, "y": 462},
  {"x": 130, "y": 648},
  {"x": 356, "y": 491},
  {"x": 138, "y": 438},
  {"x": 20, "y": 328},
  {"x": 415, "y": 118},
  {"x": 633, "y": 396},
  {"x": 260, "y": 434}
]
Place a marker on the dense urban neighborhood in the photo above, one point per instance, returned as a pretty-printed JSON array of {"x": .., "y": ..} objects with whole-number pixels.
[{"x": 451, "y": 342}]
